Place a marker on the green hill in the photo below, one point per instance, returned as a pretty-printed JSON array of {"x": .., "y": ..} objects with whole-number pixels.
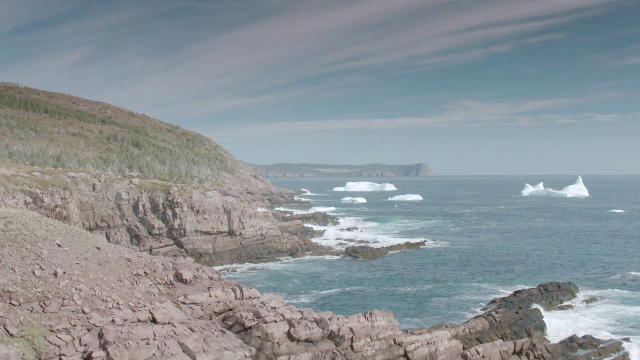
[{"x": 46, "y": 129}]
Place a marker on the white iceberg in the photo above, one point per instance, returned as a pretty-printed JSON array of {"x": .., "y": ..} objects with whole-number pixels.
[
  {"x": 365, "y": 186},
  {"x": 576, "y": 190},
  {"x": 354, "y": 200},
  {"x": 407, "y": 197}
]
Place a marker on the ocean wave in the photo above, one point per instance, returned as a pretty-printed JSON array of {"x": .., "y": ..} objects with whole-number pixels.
[
  {"x": 326, "y": 209},
  {"x": 312, "y": 296},
  {"x": 353, "y": 200},
  {"x": 306, "y": 192},
  {"x": 629, "y": 275},
  {"x": 356, "y": 231},
  {"x": 616, "y": 315},
  {"x": 616, "y": 211}
]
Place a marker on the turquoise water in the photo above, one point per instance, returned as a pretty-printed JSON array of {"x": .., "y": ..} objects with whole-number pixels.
[{"x": 485, "y": 240}]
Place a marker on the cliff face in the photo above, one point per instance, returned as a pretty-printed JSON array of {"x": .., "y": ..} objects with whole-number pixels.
[
  {"x": 212, "y": 224},
  {"x": 142, "y": 183},
  {"x": 323, "y": 170},
  {"x": 68, "y": 294}
]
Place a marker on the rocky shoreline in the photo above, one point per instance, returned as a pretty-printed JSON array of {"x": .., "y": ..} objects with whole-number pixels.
[
  {"x": 212, "y": 224},
  {"x": 69, "y": 294}
]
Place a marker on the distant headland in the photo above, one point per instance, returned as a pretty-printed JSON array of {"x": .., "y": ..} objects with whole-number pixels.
[{"x": 324, "y": 170}]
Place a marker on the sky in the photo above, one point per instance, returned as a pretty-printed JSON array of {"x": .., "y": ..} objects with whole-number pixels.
[{"x": 492, "y": 87}]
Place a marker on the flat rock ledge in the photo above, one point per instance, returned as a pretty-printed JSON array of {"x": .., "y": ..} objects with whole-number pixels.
[
  {"x": 68, "y": 294},
  {"x": 366, "y": 252}
]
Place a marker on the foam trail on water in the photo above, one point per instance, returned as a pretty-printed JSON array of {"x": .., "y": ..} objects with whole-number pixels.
[
  {"x": 407, "y": 197},
  {"x": 327, "y": 209},
  {"x": 354, "y": 200},
  {"x": 616, "y": 211},
  {"x": 309, "y": 193},
  {"x": 365, "y": 186},
  {"x": 615, "y": 316},
  {"x": 576, "y": 190},
  {"x": 355, "y": 231}
]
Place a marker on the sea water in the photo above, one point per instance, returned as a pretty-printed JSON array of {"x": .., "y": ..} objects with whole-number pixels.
[{"x": 484, "y": 240}]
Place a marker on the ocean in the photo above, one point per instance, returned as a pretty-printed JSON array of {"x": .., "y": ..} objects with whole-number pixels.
[{"x": 484, "y": 240}]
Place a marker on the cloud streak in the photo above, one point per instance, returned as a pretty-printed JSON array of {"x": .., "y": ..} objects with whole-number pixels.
[
  {"x": 464, "y": 113},
  {"x": 274, "y": 57}
]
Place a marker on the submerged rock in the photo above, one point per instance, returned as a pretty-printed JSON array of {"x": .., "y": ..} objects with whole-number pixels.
[{"x": 366, "y": 252}]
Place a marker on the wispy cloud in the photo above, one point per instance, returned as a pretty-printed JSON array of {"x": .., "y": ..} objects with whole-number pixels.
[
  {"x": 464, "y": 113},
  {"x": 633, "y": 60},
  {"x": 275, "y": 57}
]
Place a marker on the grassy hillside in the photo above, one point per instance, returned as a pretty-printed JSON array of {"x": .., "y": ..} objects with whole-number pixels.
[{"x": 61, "y": 131}]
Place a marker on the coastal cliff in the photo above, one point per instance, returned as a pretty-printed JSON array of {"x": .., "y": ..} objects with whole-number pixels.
[
  {"x": 213, "y": 225},
  {"x": 89, "y": 193},
  {"x": 138, "y": 181},
  {"x": 324, "y": 170},
  {"x": 69, "y": 294}
]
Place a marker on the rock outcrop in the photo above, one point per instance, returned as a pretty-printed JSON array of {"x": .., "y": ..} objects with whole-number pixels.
[
  {"x": 68, "y": 294},
  {"x": 366, "y": 252},
  {"x": 215, "y": 225}
]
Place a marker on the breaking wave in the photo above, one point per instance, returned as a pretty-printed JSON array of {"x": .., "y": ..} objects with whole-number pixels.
[{"x": 354, "y": 200}]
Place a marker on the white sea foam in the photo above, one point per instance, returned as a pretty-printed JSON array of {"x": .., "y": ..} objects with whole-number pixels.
[
  {"x": 354, "y": 200},
  {"x": 311, "y": 296},
  {"x": 237, "y": 270},
  {"x": 308, "y": 193},
  {"x": 261, "y": 209},
  {"x": 616, "y": 211},
  {"x": 615, "y": 316},
  {"x": 630, "y": 275},
  {"x": 576, "y": 190},
  {"x": 355, "y": 231},
  {"x": 407, "y": 197},
  {"x": 365, "y": 186},
  {"x": 327, "y": 209}
]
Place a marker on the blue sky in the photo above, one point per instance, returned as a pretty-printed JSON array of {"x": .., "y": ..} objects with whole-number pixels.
[{"x": 470, "y": 87}]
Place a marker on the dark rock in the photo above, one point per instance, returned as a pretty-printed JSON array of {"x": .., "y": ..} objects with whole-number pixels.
[
  {"x": 589, "y": 347},
  {"x": 366, "y": 252},
  {"x": 548, "y": 295},
  {"x": 316, "y": 218},
  {"x": 591, "y": 300}
]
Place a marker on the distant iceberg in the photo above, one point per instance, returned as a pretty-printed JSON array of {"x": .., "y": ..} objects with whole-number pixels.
[
  {"x": 407, "y": 197},
  {"x": 365, "y": 186},
  {"x": 576, "y": 190},
  {"x": 354, "y": 200}
]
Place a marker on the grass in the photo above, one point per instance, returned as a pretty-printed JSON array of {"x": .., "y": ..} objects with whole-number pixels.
[
  {"x": 60, "y": 131},
  {"x": 31, "y": 340}
]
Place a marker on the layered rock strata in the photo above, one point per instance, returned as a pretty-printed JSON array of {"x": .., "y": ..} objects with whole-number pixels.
[
  {"x": 213, "y": 224},
  {"x": 68, "y": 294}
]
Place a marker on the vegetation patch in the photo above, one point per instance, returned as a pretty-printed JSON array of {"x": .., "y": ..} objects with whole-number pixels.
[{"x": 59, "y": 131}]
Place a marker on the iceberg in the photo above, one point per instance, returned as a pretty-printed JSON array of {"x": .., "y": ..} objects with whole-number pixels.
[
  {"x": 407, "y": 197},
  {"x": 576, "y": 190},
  {"x": 365, "y": 186},
  {"x": 354, "y": 200}
]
